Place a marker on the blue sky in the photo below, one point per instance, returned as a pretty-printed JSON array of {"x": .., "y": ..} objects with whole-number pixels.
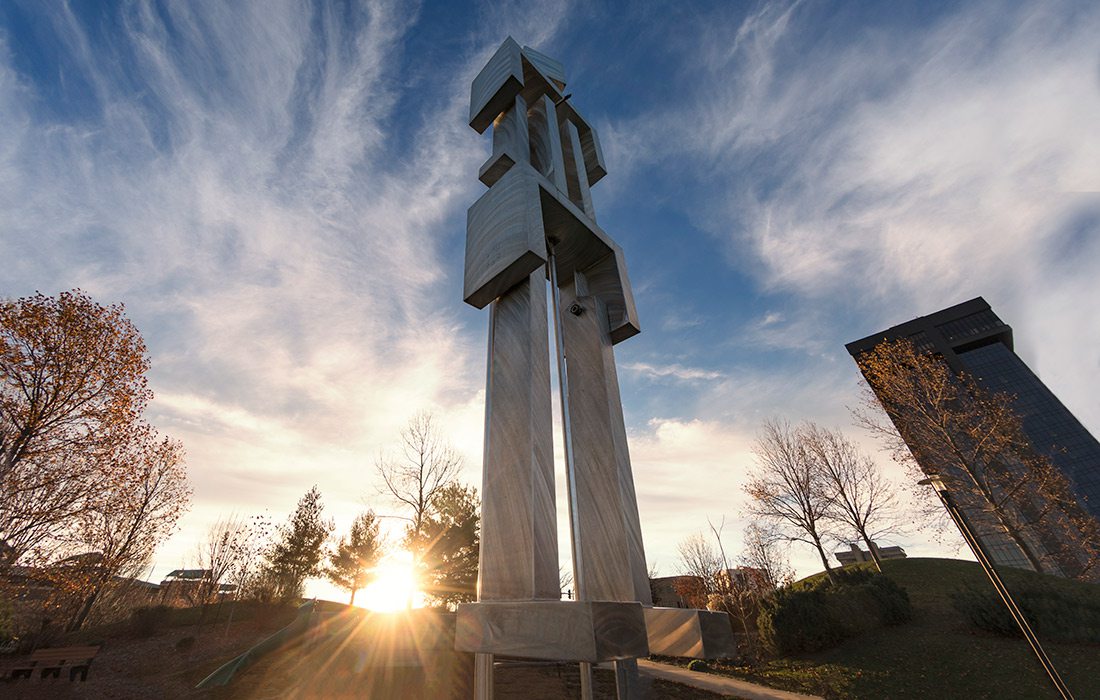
[{"x": 277, "y": 191}]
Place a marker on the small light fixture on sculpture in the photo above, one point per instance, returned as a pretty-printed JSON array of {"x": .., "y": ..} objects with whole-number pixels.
[{"x": 536, "y": 222}]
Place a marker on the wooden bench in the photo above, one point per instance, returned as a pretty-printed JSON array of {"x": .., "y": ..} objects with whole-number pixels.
[{"x": 51, "y": 661}]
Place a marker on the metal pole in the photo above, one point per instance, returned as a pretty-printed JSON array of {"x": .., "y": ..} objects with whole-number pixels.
[
  {"x": 570, "y": 464},
  {"x": 483, "y": 663},
  {"x": 1002, "y": 590}
]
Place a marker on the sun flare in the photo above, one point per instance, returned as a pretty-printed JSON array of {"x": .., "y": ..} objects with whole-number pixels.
[{"x": 395, "y": 586}]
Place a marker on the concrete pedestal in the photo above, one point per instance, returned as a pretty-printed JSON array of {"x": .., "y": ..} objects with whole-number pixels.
[{"x": 588, "y": 631}]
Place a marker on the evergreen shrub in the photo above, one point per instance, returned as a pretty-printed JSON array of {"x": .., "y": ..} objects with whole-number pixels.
[
  {"x": 818, "y": 614},
  {"x": 1053, "y": 614}
]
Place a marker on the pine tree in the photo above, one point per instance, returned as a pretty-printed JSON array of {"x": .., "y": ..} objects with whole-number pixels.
[
  {"x": 448, "y": 543},
  {"x": 350, "y": 565},
  {"x": 297, "y": 555}
]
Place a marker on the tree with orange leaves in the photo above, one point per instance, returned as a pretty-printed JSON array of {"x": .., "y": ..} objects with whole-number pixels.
[
  {"x": 950, "y": 426},
  {"x": 132, "y": 512},
  {"x": 72, "y": 384},
  {"x": 87, "y": 489}
]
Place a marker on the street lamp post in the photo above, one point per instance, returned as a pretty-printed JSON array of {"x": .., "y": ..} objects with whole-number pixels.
[{"x": 979, "y": 553}]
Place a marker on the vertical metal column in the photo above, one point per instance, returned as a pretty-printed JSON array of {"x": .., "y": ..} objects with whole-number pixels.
[
  {"x": 483, "y": 663},
  {"x": 570, "y": 464}
]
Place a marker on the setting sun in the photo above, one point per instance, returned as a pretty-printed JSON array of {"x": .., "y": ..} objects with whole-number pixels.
[{"x": 395, "y": 586}]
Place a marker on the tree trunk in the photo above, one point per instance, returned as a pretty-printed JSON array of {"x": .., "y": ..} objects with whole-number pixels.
[
  {"x": 352, "y": 601},
  {"x": 872, "y": 548},
  {"x": 825, "y": 560},
  {"x": 1002, "y": 519},
  {"x": 82, "y": 614},
  {"x": 1018, "y": 538}
]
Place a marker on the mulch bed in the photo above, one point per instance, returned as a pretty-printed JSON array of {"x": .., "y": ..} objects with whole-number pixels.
[{"x": 168, "y": 665}]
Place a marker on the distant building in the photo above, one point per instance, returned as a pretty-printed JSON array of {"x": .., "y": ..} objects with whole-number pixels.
[
  {"x": 667, "y": 590},
  {"x": 972, "y": 340},
  {"x": 190, "y": 587},
  {"x": 677, "y": 591},
  {"x": 855, "y": 554},
  {"x": 747, "y": 577}
]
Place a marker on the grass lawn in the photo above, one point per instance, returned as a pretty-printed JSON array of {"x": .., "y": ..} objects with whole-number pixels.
[{"x": 937, "y": 655}]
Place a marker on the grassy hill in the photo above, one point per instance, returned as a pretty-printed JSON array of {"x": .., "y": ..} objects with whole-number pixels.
[{"x": 939, "y": 654}]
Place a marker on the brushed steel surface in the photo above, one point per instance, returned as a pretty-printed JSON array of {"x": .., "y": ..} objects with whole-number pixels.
[
  {"x": 504, "y": 237},
  {"x": 550, "y": 68},
  {"x": 594, "y": 164},
  {"x": 511, "y": 144},
  {"x": 592, "y": 631},
  {"x": 519, "y": 546},
  {"x": 608, "y": 280},
  {"x": 512, "y": 71},
  {"x": 696, "y": 634},
  {"x": 494, "y": 88},
  {"x": 483, "y": 677},
  {"x": 628, "y": 685},
  {"x": 593, "y": 156},
  {"x": 608, "y": 527},
  {"x": 576, "y": 177},
  {"x": 546, "y": 152}
]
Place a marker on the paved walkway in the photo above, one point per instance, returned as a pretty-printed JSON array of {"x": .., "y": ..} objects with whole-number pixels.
[{"x": 717, "y": 684}]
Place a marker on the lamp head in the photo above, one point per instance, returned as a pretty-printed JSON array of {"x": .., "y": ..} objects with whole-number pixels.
[{"x": 935, "y": 482}]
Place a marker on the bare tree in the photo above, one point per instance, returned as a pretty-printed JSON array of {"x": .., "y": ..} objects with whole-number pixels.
[
  {"x": 787, "y": 489},
  {"x": 131, "y": 515},
  {"x": 699, "y": 558},
  {"x": 219, "y": 554},
  {"x": 762, "y": 553},
  {"x": 565, "y": 580},
  {"x": 714, "y": 585},
  {"x": 426, "y": 465},
  {"x": 949, "y": 426},
  {"x": 859, "y": 497}
]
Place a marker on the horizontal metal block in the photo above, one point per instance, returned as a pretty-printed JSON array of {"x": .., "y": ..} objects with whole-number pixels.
[
  {"x": 550, "y": 69},
  {"x": 511, "y": 72},
  {"x": 592, "y": 631},
  {"x": 582, "y": 246},
  {"x": 506, "y": 234},
  {"x": 607, "y": 280},
  {"x": 496, "y": 86},
  {"x": 494, "y": 168},
  {"x": 504, "y": 237},
  {"x": 695, "y": 634}
]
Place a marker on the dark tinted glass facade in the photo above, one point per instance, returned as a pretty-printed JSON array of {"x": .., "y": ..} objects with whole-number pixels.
[
  {"x": 971, "y": 339},
  {"x": 1049, "y": 425}
]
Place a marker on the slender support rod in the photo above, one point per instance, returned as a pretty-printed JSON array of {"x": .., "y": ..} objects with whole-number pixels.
[
  {"x": 581, "y": 591},
  {"x": 570, "y": 464},
  {"x": 1002, "y": 590}
]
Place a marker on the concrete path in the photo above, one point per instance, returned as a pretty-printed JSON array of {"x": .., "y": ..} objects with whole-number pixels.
[{"x": 717, "y": 684}]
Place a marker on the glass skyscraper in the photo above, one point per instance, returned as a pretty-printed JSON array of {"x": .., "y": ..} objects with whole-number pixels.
[{"x": 972, "y": 340}]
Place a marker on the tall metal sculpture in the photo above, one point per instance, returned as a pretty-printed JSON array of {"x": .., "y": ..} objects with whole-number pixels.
[{"x": 537, "y": 222}]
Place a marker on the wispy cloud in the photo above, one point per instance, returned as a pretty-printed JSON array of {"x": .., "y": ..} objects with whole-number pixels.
[
  {"x": 672, "y": 371},
  {"x": 898, "y": 170},
  {"x": 237, "y": 179}
]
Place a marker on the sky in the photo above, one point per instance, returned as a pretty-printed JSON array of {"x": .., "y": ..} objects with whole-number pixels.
[{"x": 277, "y": 192}]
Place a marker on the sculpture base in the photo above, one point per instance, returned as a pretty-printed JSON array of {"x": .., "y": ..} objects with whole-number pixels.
[
  {"x": 592, "y": 631},
  {"x": 695, "y": 634}
]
